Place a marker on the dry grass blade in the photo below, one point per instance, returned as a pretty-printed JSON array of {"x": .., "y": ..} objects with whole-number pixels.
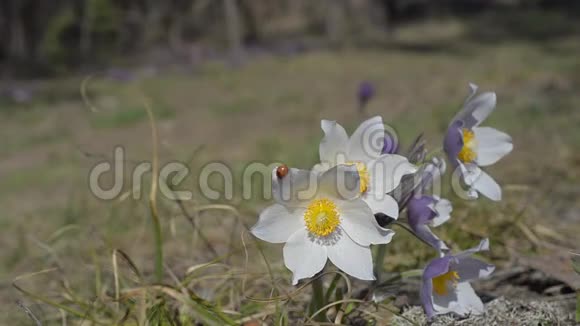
[
  {"x": 153, "y": 195},
  {"x": 84, "y": 95},
  {"x": 332, "y": 304},
  {"x": 51, "y": 302},
  {"x": 116, "y": 278},
  {"x": 193, "y": 223},
  {"x": 576, "y": 262},
  {"x": 204, "y": 310},
  {"x": 55, "y": 236},
  {"x": 28, "y": 312}
]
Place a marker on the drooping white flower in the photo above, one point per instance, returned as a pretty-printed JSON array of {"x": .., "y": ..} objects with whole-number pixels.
[
  {"x": 470, "y": 146},
  {"x": 445, "y": 284},
  {"x": 319, "y": 216},
  {"x": 379, "y": 173}
]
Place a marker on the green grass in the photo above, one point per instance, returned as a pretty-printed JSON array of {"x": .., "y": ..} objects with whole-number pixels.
[
  {"x": 126, "y": 117},
  {"x": 42, "y": 178}
]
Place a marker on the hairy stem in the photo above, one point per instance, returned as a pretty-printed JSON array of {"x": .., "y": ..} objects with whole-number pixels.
[
  {"x": 379, "y": 259},
  {"x": 317, "y": 297}
]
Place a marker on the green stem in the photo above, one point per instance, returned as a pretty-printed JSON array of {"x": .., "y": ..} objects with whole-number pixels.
[
  {"x": 379, "y": 261},
  {"x": 317, "y": 297},
  {"x": 332, "y": 287},
  {"x": 408, "y": 229}
]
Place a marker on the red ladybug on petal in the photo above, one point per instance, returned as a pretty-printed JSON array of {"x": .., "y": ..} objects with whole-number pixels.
[{"x": 281, "y": 171}]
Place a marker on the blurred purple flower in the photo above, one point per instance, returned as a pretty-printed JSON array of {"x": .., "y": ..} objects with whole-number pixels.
[
  {"x": 21, "y": 95},
  {"x": 445, "y": 284},
  {"x": 391, "y": 145},
  {"x": 366, "y": 91},
  {"x": 120, "y": 74}
]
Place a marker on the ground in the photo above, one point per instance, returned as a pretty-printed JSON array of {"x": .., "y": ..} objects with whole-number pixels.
[{"x": 269, "y": 110}]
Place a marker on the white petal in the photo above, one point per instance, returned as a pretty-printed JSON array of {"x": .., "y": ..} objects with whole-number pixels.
[
  {"x": 484, "y": 104},
  {"x": 462, "y": 300},
  {"x": 381, "y": 203},
  {"x": 469, "y": 172},
  {"x": 472, "y": 194},
  {"x": 475, "y": 110},
  {"x": 443, "y": 210},
  {"x": 480, "y": 181},
  {"x": 485, "y": 185},
  {"x": 467, "y": 301},
  {"x": 335, "y": 142},
  {"x": 444, "y": 304},
  {"x": 303, "y": 257},
  {"x": 366, "y": 143},
  {"x": 276, "y": 223},
  {"x": 472, "y": 91},
  {"x": 482, "y": 246},
  {"x": 321, "y": 167},
  {"x": 295, "y": 189},
  {"x": 471, "y": 269},
  {"x": 340, "y": 182},
  {"x": 492, "y": 145},
  {"x": 385, "y": 173},
  {"x": 352, "y": 258},
  {"x": 360, "y": 224}
]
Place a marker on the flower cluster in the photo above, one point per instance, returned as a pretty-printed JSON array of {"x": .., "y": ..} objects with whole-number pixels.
[{"x": 337, "y": 210}]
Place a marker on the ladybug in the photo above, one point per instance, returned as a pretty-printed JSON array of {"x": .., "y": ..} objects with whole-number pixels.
[{"x": 281, "y": 171}]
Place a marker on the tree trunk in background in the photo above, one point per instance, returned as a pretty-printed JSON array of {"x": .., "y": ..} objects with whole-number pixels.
[
  {"x": 251, "y": 22},
  {"x": 334, "y": 23},
  {"x": 85, "y": 27},
  {"x": 232, "y": 16},
  {"x": 15, "y": 42},
  {"x": 4, "y": 32}
]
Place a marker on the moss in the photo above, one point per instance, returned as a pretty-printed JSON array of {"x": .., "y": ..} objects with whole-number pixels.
[{"x": 500, "y": 311}]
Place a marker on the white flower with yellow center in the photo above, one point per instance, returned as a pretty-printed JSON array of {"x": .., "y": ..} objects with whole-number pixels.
[
  {"x": 379, "y": 173},
  {"x": 470, "y": 146},
  {"x": 445, "y": 284},
  {"x": 320, "y": 216}
]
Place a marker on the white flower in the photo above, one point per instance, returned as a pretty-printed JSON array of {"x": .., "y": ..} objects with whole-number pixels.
[
  {"x": 319, "y": 216},
  {"x": 470, "y": 146},
  {"x": 379, "y": 173},
  {"x": 445, "y": 286}
]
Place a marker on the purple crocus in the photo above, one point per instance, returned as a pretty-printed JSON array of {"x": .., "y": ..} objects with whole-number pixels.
[
  {"x": 469, "y": 146},
  {"x": 365, "y": 93},
  {"x": 425, "y": 210},
  {"x": 445, "y": 285}
]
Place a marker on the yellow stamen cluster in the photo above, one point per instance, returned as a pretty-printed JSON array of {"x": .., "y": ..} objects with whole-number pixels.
[
  {"x": 467, "y": 153},
  {"x": 321, "y": 217},
  {"x": 363, "y": 174},
  {"x": 440, "y": 282}
]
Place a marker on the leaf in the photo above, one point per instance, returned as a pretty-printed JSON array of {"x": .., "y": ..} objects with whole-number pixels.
[
  {"x": 349, "y": 308},
  {"x": 576, "y": 263}
]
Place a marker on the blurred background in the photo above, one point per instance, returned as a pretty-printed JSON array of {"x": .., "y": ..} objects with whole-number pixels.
[{"x": 239, "y": 81}]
